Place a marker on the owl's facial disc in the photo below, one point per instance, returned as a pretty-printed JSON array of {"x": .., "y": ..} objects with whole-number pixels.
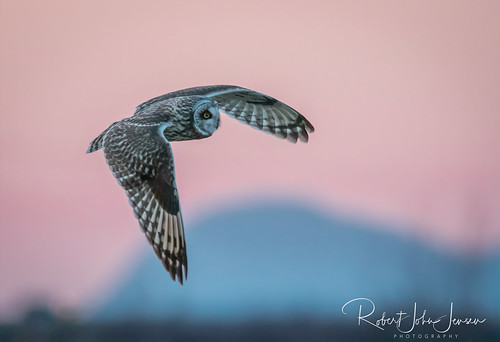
[{"x": 206, "y": 117}]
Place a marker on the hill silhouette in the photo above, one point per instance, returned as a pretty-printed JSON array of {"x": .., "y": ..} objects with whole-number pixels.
[{"x": 282, "y": 261}]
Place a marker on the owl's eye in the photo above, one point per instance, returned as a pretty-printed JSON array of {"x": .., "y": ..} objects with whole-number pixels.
[{"x": 207, "y": 115}]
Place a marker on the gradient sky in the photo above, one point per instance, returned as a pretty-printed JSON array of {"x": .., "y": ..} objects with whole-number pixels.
[{"x": 404, "y": 97}]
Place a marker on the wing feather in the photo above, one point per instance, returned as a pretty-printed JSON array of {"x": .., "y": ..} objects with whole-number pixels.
[
  {"x": 142, "y": 162},
  {"x": 288, "y": 123}
]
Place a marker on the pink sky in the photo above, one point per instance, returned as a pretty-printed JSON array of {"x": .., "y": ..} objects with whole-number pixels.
[{"x": 404, "y": 97}]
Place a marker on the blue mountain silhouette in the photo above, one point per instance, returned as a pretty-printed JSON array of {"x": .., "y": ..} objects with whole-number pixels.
[{"x": 280, "y": 261}]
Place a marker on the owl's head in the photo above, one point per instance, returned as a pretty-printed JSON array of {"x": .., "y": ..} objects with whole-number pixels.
[{"x": 206, "y": 117}]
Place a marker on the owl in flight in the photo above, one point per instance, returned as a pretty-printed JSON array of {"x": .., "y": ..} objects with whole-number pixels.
[{"x": 137, "y": 150}]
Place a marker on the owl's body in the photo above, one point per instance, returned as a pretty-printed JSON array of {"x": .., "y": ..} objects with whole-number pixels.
[{"x": 138, "y": 152}]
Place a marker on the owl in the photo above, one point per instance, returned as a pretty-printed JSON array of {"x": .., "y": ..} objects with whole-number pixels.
[{"x": 138, "y": 152}]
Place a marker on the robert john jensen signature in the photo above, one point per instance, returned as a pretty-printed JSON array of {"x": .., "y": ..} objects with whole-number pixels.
[{"x": 440, "y": 324}]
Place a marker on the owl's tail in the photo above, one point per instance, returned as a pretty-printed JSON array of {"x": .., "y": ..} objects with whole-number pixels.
[{"x": 96, "y": 144}]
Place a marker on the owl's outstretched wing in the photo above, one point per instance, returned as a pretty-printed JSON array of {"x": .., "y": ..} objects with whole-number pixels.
[
  {"x": 264, "y": 113},
  {"x": 252, "y": 108},
  {"x": 141, "y": 159}
]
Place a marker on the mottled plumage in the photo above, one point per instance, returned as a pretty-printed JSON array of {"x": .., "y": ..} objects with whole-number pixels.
[{"x": 138, "y": 152}]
